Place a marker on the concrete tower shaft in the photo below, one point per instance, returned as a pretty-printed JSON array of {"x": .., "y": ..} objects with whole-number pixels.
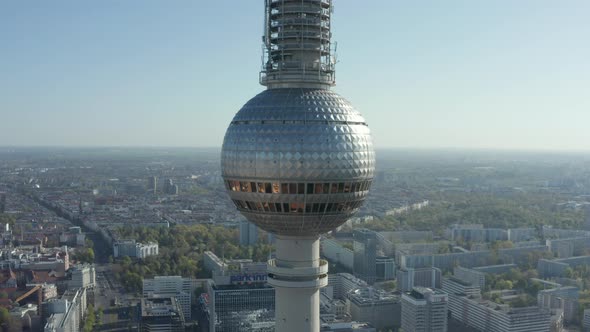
[
  {"x": 297, "y": 44},
  {"x": 297, "y": 273}
]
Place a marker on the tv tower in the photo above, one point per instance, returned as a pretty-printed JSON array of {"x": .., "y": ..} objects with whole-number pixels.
[{"x": 297, "y": 159}]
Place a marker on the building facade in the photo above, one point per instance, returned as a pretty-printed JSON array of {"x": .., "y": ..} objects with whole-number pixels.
[
  {"x": 161, "y": 314},
  {"x": 337, "y": 253},
  {"x": 385, "y": 269},
  {"x": 241, "y": 308},
  {"x": 67, "y": 313},
  {"x": 424, "y": 310},
  {"x": 365, "y": 254},
  {"x": 485, "y": 315},
  {"x": 379, "y": 308},
  {"x": 83, "y": 276},
  {"x": 248, "y": 233},
  {"x": 409, "y": 278},
  {"x": 134, "y": 249},
  {"x": 171, "y": 286}
]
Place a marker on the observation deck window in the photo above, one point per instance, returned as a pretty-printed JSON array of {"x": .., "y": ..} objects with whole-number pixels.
[
  {"x": 245, "y": 187},
  {"x": 347, "y": 187},
  {"x": 310, "y": 188},
  {"x": 298, "y": 207},
  {"x": 276, "y": 188},
  {"x": 301, "y": 188},
  {"x": 334, "y": 188},
  {"x": 295, "y": 188}
]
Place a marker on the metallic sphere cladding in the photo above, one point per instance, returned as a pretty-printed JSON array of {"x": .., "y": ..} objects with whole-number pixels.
[{"x": 298, "y": 161}]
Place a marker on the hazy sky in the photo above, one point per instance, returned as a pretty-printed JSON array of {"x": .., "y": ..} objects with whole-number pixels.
[{"x": 493, "y": 74}]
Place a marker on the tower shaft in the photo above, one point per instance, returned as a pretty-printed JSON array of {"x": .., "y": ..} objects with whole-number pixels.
[
  {"x": 297, "y": 44},
  {"x": 297, "y": 273}
]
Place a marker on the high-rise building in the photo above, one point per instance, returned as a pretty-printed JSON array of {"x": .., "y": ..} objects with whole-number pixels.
[
  {"x": 424, "y": 310},
  {"x": 2, "y": 202},
  {"x": 170, "y": 188},
  {"x": 297, "y": 159},
  {"x": 161, "y": 314},
  {"x": 248, "y": 233},
  {"x": 152, "y": 184},
  {"x": 365, "y": 254},
  {"x": 171, "y": 286}
]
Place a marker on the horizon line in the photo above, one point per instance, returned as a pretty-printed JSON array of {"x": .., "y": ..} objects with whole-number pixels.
[{"x": 396, "y": 148}]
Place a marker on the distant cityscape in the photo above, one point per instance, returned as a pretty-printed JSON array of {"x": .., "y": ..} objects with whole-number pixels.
[{"x": 66, "y": 243}]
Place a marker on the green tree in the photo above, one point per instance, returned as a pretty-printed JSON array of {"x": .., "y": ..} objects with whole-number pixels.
[
  {"x": 503, "y": 284},
  {"x": 90, "y": 319},
  {"x": 4, "y": 316},
  {"x": 390, "y": 285}
]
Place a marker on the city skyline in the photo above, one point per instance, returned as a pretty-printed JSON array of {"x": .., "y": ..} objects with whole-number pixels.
[{"x": 461, "y": 75}]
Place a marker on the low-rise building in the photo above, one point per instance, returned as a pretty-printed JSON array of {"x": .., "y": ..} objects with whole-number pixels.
[
  {"x": 161, "y": 314},
  {"x": 73, "y": 237},
  {"x": 337, "y": 253},
  {"x": 134, "y": 249},
  {"x": 240, "y": 307},
  {"x": 341, "y": 284},
  {"x": 564, "y": 298},
  {"x": 549, "y": 268},
  {"x": 409, "y": 278},
  {"x": 485, "y": 315},
  {"x": 48, "y": 291},
  {"x": 377, "y": 307},
  {"x": 83, "y": 276},
  {"x": 471, "y": 276},
  {"x": 171, "y": 286},
  {"x": 347, "y": 327}
]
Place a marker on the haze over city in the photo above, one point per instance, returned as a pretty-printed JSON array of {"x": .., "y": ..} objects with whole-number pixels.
[
  {"x": 189, "y": 166},
  {"x": 461, "y": 74}
]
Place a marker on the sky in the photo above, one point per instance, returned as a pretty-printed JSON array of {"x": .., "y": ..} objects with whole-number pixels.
[{"x": 499, "y": 74}]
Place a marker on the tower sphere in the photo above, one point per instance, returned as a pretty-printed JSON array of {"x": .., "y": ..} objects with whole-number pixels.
[{"x": 298, "y": 161}]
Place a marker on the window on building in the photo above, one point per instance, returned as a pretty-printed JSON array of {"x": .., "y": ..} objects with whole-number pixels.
[
  {"x": 245, "y": 187},
  {"x": 276, "y": 188}
]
